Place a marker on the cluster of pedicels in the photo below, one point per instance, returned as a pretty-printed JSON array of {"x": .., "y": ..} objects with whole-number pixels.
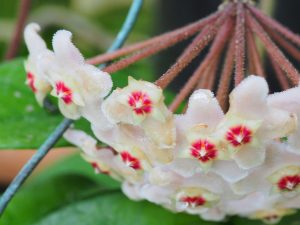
[{"x": 245, "y": 162}]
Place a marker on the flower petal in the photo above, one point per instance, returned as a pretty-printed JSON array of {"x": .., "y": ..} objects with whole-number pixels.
[
  {"x": 65, "y": 50},
  {"x": 162, "y": 134},
  {"x": 229, "y": 170},
  {"x": 34, "y": 42},
  {"x": 287, "y": 100},
  {"x": 203, "y": 108},
  {"x": 70, "y": 111},
  {"x": 249, "y": 98},
  {"x": 250, "y": 156},
  {"x": 214, "y": 214},
  {"x": 82, "y": 140}
]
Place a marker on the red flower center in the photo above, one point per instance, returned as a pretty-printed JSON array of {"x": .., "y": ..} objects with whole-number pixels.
[
  {"x": 64, "y": 92},
  {"x": 203, "y": 150},
  {"x": 289, "y": 183},
  {"x": 98, "y": 169},
  {"x": 140, "y": 102},
  {"x": 239, "y": 135},
  {"x": 30, "y": 81},
  {"x": 131, "y": 161},
  {"x": 194, "y": 201}
]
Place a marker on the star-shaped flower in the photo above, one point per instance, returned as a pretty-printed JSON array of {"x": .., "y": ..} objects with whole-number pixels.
[
  {"x": 252, "y": 122},
  {"x": 80, "y": 87},
  {"x": 141, "y": 104}
]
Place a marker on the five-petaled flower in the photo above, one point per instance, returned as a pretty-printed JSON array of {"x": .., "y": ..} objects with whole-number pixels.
[
  {"x": 141, "y": 104},
  {"x": 272, "y": 216},
  {"x": 251, "y": 123},
  {"x": 195, "y": 199},
  {"x": 79, "y": 86},
  {"x": 286, "y": 179}
]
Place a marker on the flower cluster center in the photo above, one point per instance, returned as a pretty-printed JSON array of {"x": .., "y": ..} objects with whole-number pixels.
[
  {"x": 131, "y": 161},
  {"x": 239, "y": 135},
  {"x": 194, "y": 201},
  {"x": 64, "y": 92},
  {"x": 203, "y": 150},
  {"x": 289, "y": 183},
  {"x": 140, "y": 102}
]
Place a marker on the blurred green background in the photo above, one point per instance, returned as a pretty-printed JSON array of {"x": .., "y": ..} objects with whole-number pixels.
[{"x": 94, "y": 23}]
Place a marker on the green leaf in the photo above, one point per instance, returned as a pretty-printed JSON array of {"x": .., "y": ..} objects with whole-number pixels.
[
  {"x": 116, "y": 209},
  {"x": 36, "y": 200}
]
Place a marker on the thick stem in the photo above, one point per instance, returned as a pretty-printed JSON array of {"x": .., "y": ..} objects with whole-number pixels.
[
  {"x": 281, "y": 77},
  {"x": 254, "y": 57},
  {"x": 223, "y": 88},
  {"x": 214, "y": 52},
  {"x": 239, "y": 44},
  {"x": 17, "y": 36},
  {"x": 274, "y": 25},
  {"x": 284, "y": 44},
  {"x": 169, "y": 37},
  {"x": 273, "y": 50},
  {"x": 198, "y": 44}
]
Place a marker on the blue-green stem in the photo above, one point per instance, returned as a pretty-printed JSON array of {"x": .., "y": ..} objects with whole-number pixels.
[{"x": 63, "y": 126}]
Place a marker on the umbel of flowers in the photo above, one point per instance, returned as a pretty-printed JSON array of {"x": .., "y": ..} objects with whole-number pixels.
[{"x": 206, "y": 162}]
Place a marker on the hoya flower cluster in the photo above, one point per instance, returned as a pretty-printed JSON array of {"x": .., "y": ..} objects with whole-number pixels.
[{"x": 206, "y": 162}]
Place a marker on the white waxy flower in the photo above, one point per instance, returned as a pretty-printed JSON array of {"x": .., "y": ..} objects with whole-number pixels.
[
  {"x": 251, "y": 122},
  {"x": 79, "y": 86},
  {"x": 286, "y": 180},
  {"x": 101, "y": 159},
  {"x": 277, "y": 175},
  {"x": 141, "y": 104},
  {"x": 195, "y": 200},
  {"x": 35, "y": 79},
  {"x": 197, "y": 139},
  {"x": 196, "y": 128},
  {"x": 125, "y": 165},
  {"x": 272, "y": 216}
]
